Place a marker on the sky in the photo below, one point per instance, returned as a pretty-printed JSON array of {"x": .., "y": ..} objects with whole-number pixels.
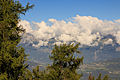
[{"x": 64, "y": 9}]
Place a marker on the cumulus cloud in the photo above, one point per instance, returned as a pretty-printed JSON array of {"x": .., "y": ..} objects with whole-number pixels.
[
  {"x": 26, "y": 25},
  {"x": 84, "y": 29}
]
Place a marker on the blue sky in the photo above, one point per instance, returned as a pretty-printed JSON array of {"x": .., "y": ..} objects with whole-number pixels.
[{"x": 64, "y": 9}]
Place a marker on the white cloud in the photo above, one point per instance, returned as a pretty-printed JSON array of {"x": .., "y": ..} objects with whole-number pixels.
[
  {"x": 65, "y": 38},
  {"x": 26, "y": 25},
  {"x": 117, "y": 35},
  {"x": 41, "y": 43},
  {"x": 118, "y": 20},
  {"x": 108, "y": 41},
  {"x": 58, "y": 43},
  {"x": 83, "y": 29}
]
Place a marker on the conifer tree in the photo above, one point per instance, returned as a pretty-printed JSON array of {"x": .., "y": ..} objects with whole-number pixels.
[
  {"x": 12, "y": 56},
  {"x": 99, "y": 77},
  {"x": 65, "y": 63}
]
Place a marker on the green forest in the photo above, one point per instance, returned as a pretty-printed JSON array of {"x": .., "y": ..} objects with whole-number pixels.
[{"x": 13, "y": 57}]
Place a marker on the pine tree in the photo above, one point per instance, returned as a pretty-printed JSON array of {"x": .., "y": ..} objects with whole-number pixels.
[
  {"x": 99, "y": 77},
  {"x": 65, "y": 63},
  {"x": 12, "y": 56}
]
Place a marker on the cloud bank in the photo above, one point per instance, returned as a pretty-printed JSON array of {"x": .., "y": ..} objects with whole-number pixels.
[{"x": 84, "y": 29}]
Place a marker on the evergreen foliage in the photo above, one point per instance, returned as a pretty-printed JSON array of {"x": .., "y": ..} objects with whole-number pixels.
[
  {"x": 65, "y": 63},
  {"x": 99, "y": 77},
  {"x": 64, "y": 66},
  {"x": 12, "y": 57}
]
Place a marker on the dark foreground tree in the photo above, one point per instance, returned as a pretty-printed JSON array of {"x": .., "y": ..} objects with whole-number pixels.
[
  {"x": 12, "y": 57},
  {"x": 99, "y": 77},
  {"x": 65, "y": 63},
  {"x": 64, "y": 66}
]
